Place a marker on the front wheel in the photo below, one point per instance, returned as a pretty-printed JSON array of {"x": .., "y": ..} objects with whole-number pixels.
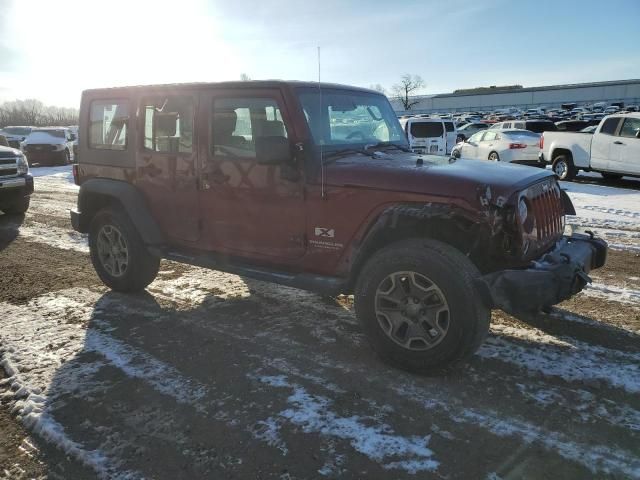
[
  {"x": 417, "y": 303},
  {"x": 611, "y": 176},
  {"x": 118, "y": 254}
]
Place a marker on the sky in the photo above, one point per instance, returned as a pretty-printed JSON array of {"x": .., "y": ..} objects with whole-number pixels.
[{"x": 53, "y": 49}]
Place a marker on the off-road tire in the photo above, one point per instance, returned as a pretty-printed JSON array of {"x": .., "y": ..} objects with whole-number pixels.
[
  {"x": 454, "y": 275},
  {"x": 611, "y": 176},
  {"x": 564, "y": 168},
  {"x": 18, "y": 207},
  {"x": 142, "y": 267},
  {"x": 497, "y": 157}
]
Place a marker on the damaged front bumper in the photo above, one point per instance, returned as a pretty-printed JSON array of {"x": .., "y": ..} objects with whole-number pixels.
[{"x": 553, "y": 278}]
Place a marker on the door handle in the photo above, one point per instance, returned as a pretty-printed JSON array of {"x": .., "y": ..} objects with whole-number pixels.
[{"x": 618, "y": 142}]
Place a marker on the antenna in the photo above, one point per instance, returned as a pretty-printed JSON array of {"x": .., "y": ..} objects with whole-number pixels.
[{"x": 322, "y": 131}]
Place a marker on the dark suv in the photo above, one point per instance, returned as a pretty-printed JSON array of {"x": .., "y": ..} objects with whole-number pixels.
[{"x": 313, "y": 186}]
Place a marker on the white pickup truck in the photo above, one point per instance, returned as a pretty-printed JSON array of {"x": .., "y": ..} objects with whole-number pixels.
[{"x": 613, "y": 150}]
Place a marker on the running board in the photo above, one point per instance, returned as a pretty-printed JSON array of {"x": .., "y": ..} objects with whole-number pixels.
[{"x": 314, "y": 283}]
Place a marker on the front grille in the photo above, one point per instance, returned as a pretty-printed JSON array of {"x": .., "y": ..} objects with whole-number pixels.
[
  {"x": 40, "y": 148},
  {"x": 548, "y": 210},
  {"x": 9, "y": 161},
  {"x": 10, "y": 172},
  {"x": 8, "y": 155}
]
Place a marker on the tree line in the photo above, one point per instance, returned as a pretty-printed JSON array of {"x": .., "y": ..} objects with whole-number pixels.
[{"x": 31, "y": 112}]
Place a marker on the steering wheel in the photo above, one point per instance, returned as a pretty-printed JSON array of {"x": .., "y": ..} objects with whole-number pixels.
[{"x": 357, "y": 133}]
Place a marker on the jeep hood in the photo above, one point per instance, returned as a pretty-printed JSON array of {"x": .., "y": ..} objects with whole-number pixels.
[{"x": 440, "y": 176}]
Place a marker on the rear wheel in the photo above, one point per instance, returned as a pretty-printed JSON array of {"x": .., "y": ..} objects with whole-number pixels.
[
  {"x": 563, "y": 167},
  {"x": 494, "y": 157},
  {"x": 418, "y": 305},
  {"x": 118, "y": 254}
]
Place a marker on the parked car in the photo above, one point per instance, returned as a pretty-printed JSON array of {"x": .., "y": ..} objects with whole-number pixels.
[
  {"x": 536, "y": 126},
  {"x": 49, "y": 146},
  {"x": 571, "y": 125},
  {"x": 15, "y": 135},
  {"x": 613, "y": 149},
  {"x": 16, "y": 183},
  {"x": 425, "y": 135},
  {"x": 469, "y": 129},
  {"x": 509, "y": 146},
  {"x": 612, "y": 109},
  {"x": 250, "y": 178}
]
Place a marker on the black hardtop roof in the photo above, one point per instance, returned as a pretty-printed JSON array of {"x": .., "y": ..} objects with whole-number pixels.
[{"x": 234, "y": 84}]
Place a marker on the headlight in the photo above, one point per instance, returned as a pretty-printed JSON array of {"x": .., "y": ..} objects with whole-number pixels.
[
  {"x": 23, "y": 165},
  {"x": 523, "y": 210}
]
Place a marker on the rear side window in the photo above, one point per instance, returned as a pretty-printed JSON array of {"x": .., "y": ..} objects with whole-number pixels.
[
  {"x": 490, "y": 136},
  {"x": 449, "y": 126},
  {"x": 108, "y": 121},
  {"x": 236, "y": 123},
  {"x": 168, "y": 124},
  {"x": 610, "y": 125},
  {"x": 630, "y": 128},
  {"x": 426, "y": 129}
]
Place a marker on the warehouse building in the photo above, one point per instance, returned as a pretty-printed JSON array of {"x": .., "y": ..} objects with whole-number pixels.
[{"x": 627, "y": 91}]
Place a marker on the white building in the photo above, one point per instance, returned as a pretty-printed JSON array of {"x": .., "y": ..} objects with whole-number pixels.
[{"x": 627, "y": 91}]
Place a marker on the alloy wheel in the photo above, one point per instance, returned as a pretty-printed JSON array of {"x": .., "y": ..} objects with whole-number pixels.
[
  {"x": 113, "y": 251},
  {"x": 412, "y": 310}
]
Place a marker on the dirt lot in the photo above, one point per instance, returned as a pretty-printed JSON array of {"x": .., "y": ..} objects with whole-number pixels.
[{"x": 209, "y": 375}]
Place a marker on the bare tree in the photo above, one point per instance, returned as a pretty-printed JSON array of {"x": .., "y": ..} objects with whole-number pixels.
[
  {"x": 409, "y": 84},
  {"x": 244, "y": 77},
  {"x": 35, "y": 113},
  {"x": 378, "y": 88}
]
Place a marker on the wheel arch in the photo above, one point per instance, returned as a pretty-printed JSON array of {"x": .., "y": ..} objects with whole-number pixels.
[
  {"x": 98, "y": 193},
  {"x": 556, "y": 152},
  {"x": 446, "y": 223}
]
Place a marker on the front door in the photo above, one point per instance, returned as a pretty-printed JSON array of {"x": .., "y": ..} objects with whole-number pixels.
[
  {"x": 248, "y": 209},
  {"x": 625, "y": 151},
  {"x": 167, "y": 163}
]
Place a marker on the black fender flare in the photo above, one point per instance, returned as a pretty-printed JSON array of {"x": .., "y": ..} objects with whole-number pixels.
[
  {"x": 127, "y": 195},
  {"x": 390, "y": 219}
]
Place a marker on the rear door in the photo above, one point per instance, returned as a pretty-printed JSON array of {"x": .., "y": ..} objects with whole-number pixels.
[
  {"x": 248, "y": 209},
  {"x": 428, "y": 136},
  {"x": 625, "y": 150},
  {"x": 487, "y": 145},
  {"x": 167, "y": 163}
]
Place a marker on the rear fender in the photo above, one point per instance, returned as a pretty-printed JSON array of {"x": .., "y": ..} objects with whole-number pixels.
[{"x": 96, "y": 193}]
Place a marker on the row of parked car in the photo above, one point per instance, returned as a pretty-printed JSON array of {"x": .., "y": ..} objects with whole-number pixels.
[
  {"x": 43, "y": 145},
  {"x": 612, "y": 149}
]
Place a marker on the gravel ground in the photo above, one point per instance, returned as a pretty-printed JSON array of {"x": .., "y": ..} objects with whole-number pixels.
[{"x": 210, "y": 375}]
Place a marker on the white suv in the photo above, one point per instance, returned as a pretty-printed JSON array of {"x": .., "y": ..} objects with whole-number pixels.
[{"x": 49, "y": 146}]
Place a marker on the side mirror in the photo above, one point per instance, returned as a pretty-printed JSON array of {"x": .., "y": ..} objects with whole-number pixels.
[{"x": 273, "y": 150}]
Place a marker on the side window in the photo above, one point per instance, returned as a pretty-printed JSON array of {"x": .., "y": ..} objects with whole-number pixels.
[
  {"x": 489, "y": 136},
  {"x": 237, "y": 122},
  {"x": 476, "y": 137},
  {"x": 630, "y": 128},
  {"x": 168, "y": 124},
  {"x": 108, "y": 121},
  {"x": 610, "y": 125}
]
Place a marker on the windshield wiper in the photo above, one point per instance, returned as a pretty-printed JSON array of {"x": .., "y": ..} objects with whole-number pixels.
[
  {"x": 332, "y": 156},
  {"x": 387, "y": 144}
]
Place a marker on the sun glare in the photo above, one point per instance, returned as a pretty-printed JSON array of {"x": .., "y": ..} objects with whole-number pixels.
[{"x": 118, "y": 42}]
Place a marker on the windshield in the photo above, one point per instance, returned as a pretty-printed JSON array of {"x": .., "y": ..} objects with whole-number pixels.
[
  {"x": 350, "y": 118},
  {"x": 17, "y": 130},
  {"x": 53, "y": 133}
]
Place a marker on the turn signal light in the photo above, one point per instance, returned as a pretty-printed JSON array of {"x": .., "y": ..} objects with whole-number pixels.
[{"x": 517, "y": 145}]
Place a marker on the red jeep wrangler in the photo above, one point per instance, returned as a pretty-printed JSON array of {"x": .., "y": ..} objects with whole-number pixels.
[{"x": 313, "y": 186}]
